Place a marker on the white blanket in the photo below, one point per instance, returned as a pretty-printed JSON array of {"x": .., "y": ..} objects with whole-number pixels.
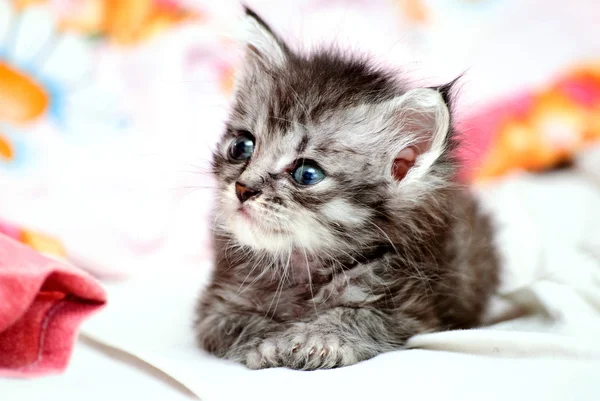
[{"x": 550, "y": 237}]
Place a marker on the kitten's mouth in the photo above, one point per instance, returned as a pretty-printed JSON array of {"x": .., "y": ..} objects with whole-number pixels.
[
  {"x": 248, "y": 215},
  {"x": 242, "y": 210}
]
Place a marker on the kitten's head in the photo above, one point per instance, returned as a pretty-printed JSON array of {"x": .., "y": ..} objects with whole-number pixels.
[{"x": 323, "y": 153}]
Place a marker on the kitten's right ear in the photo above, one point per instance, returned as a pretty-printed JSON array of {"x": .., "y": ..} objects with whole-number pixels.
[{"x": 264, "y": 48}]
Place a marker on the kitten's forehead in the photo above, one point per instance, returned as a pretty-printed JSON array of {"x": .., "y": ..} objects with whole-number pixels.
[{"x": 307, "y": 89}]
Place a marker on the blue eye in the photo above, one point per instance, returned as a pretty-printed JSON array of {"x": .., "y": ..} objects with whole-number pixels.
[
  {"x": 242, "y": 147},
  {"x": 307, "y": 173}
]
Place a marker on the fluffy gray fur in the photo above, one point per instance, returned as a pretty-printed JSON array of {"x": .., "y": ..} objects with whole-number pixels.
[{"x": 327, "y": 275}]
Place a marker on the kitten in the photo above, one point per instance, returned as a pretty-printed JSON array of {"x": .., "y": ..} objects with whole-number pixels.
[{"x": 339, "y": 231}]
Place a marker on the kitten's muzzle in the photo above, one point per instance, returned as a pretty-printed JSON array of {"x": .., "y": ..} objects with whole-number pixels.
[{"x": 244, "y": 193}]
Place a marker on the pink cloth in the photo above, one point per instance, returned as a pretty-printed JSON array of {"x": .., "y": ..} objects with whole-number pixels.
[
  {"x": 42, "y": 304},
  {"x": 480, "y": 129}
]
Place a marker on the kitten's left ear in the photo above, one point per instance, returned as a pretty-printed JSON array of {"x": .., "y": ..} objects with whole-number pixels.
[
  {"x": 422, "y": 117},
  {"x": 264, "y": 48}
]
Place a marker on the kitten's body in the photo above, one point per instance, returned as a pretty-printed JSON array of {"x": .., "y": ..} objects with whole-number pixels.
[{"x": 330, "y": 274}]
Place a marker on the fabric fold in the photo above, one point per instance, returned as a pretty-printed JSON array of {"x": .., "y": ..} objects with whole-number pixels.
[{"x": 42, "y": 304}]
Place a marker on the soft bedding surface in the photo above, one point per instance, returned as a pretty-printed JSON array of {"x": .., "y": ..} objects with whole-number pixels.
[
  {"x": 545, "y": 347},
  {"x": 551, "y": 353}
]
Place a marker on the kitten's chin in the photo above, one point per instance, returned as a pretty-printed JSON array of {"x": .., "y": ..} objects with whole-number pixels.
[{"x": 256, "y": 236}]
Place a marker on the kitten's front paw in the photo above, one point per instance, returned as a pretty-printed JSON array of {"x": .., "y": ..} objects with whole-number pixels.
[
  {"x": 309, "y": 349},
  {"x": 301, "y": 347}
]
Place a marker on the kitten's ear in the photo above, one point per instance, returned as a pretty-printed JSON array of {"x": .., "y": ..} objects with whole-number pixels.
[
  {"x": 423, "y": 119},
  {"x": 264, "y": 48}
]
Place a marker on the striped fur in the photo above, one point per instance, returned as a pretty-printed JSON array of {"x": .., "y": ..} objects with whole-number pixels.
[{"x": 328, "y": 275}]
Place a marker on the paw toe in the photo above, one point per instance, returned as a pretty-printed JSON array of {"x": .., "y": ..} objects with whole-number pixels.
[{"x": 254, "y": 360}]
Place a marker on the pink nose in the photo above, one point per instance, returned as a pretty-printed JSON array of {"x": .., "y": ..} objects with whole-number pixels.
[{"x": 244, "y": 193}]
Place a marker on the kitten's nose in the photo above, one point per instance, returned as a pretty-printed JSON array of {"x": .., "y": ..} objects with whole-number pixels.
[{"x": 244, "y": 193}]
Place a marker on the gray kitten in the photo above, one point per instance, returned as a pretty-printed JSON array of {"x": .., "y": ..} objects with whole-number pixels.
[{"x": 339, "y": 230}]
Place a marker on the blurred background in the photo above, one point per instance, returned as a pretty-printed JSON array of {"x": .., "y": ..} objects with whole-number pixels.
[{"x": 109, "y": 108}]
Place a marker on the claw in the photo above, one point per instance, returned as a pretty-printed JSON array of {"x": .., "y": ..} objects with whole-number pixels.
[
  {"x": 312, "y": 351},
  {"x": 325, "y": 352},
  {"x": 295, "y": 348}
]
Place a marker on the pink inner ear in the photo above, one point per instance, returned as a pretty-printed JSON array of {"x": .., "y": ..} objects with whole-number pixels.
[{"x": 403, "y": 162}]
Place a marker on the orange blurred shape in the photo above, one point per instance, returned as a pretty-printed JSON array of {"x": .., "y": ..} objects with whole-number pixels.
[
  {"x": 6, "y": 150},
  {"x": 415, "y": 10},
  {"x": 562, "y": 120},
  {"x": 85, "y": 16},
  {"x": 510, "y": 150},
  {"x": 22, "y": 98},
  {"x": 559, "y": 121},
  {"x": 551, "y": 133},
  {"x": 123, "y": 19},
  {"x": 589, "y": 71},
  {"x": 129, "y": 21},
  {"x": 227, "y": 80},
  {"x": 592, "y": 132},
  {"x": 19, "y": 4},
  {"x": 126, "y": 21},
  {"x": 43, "y": 243}
]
